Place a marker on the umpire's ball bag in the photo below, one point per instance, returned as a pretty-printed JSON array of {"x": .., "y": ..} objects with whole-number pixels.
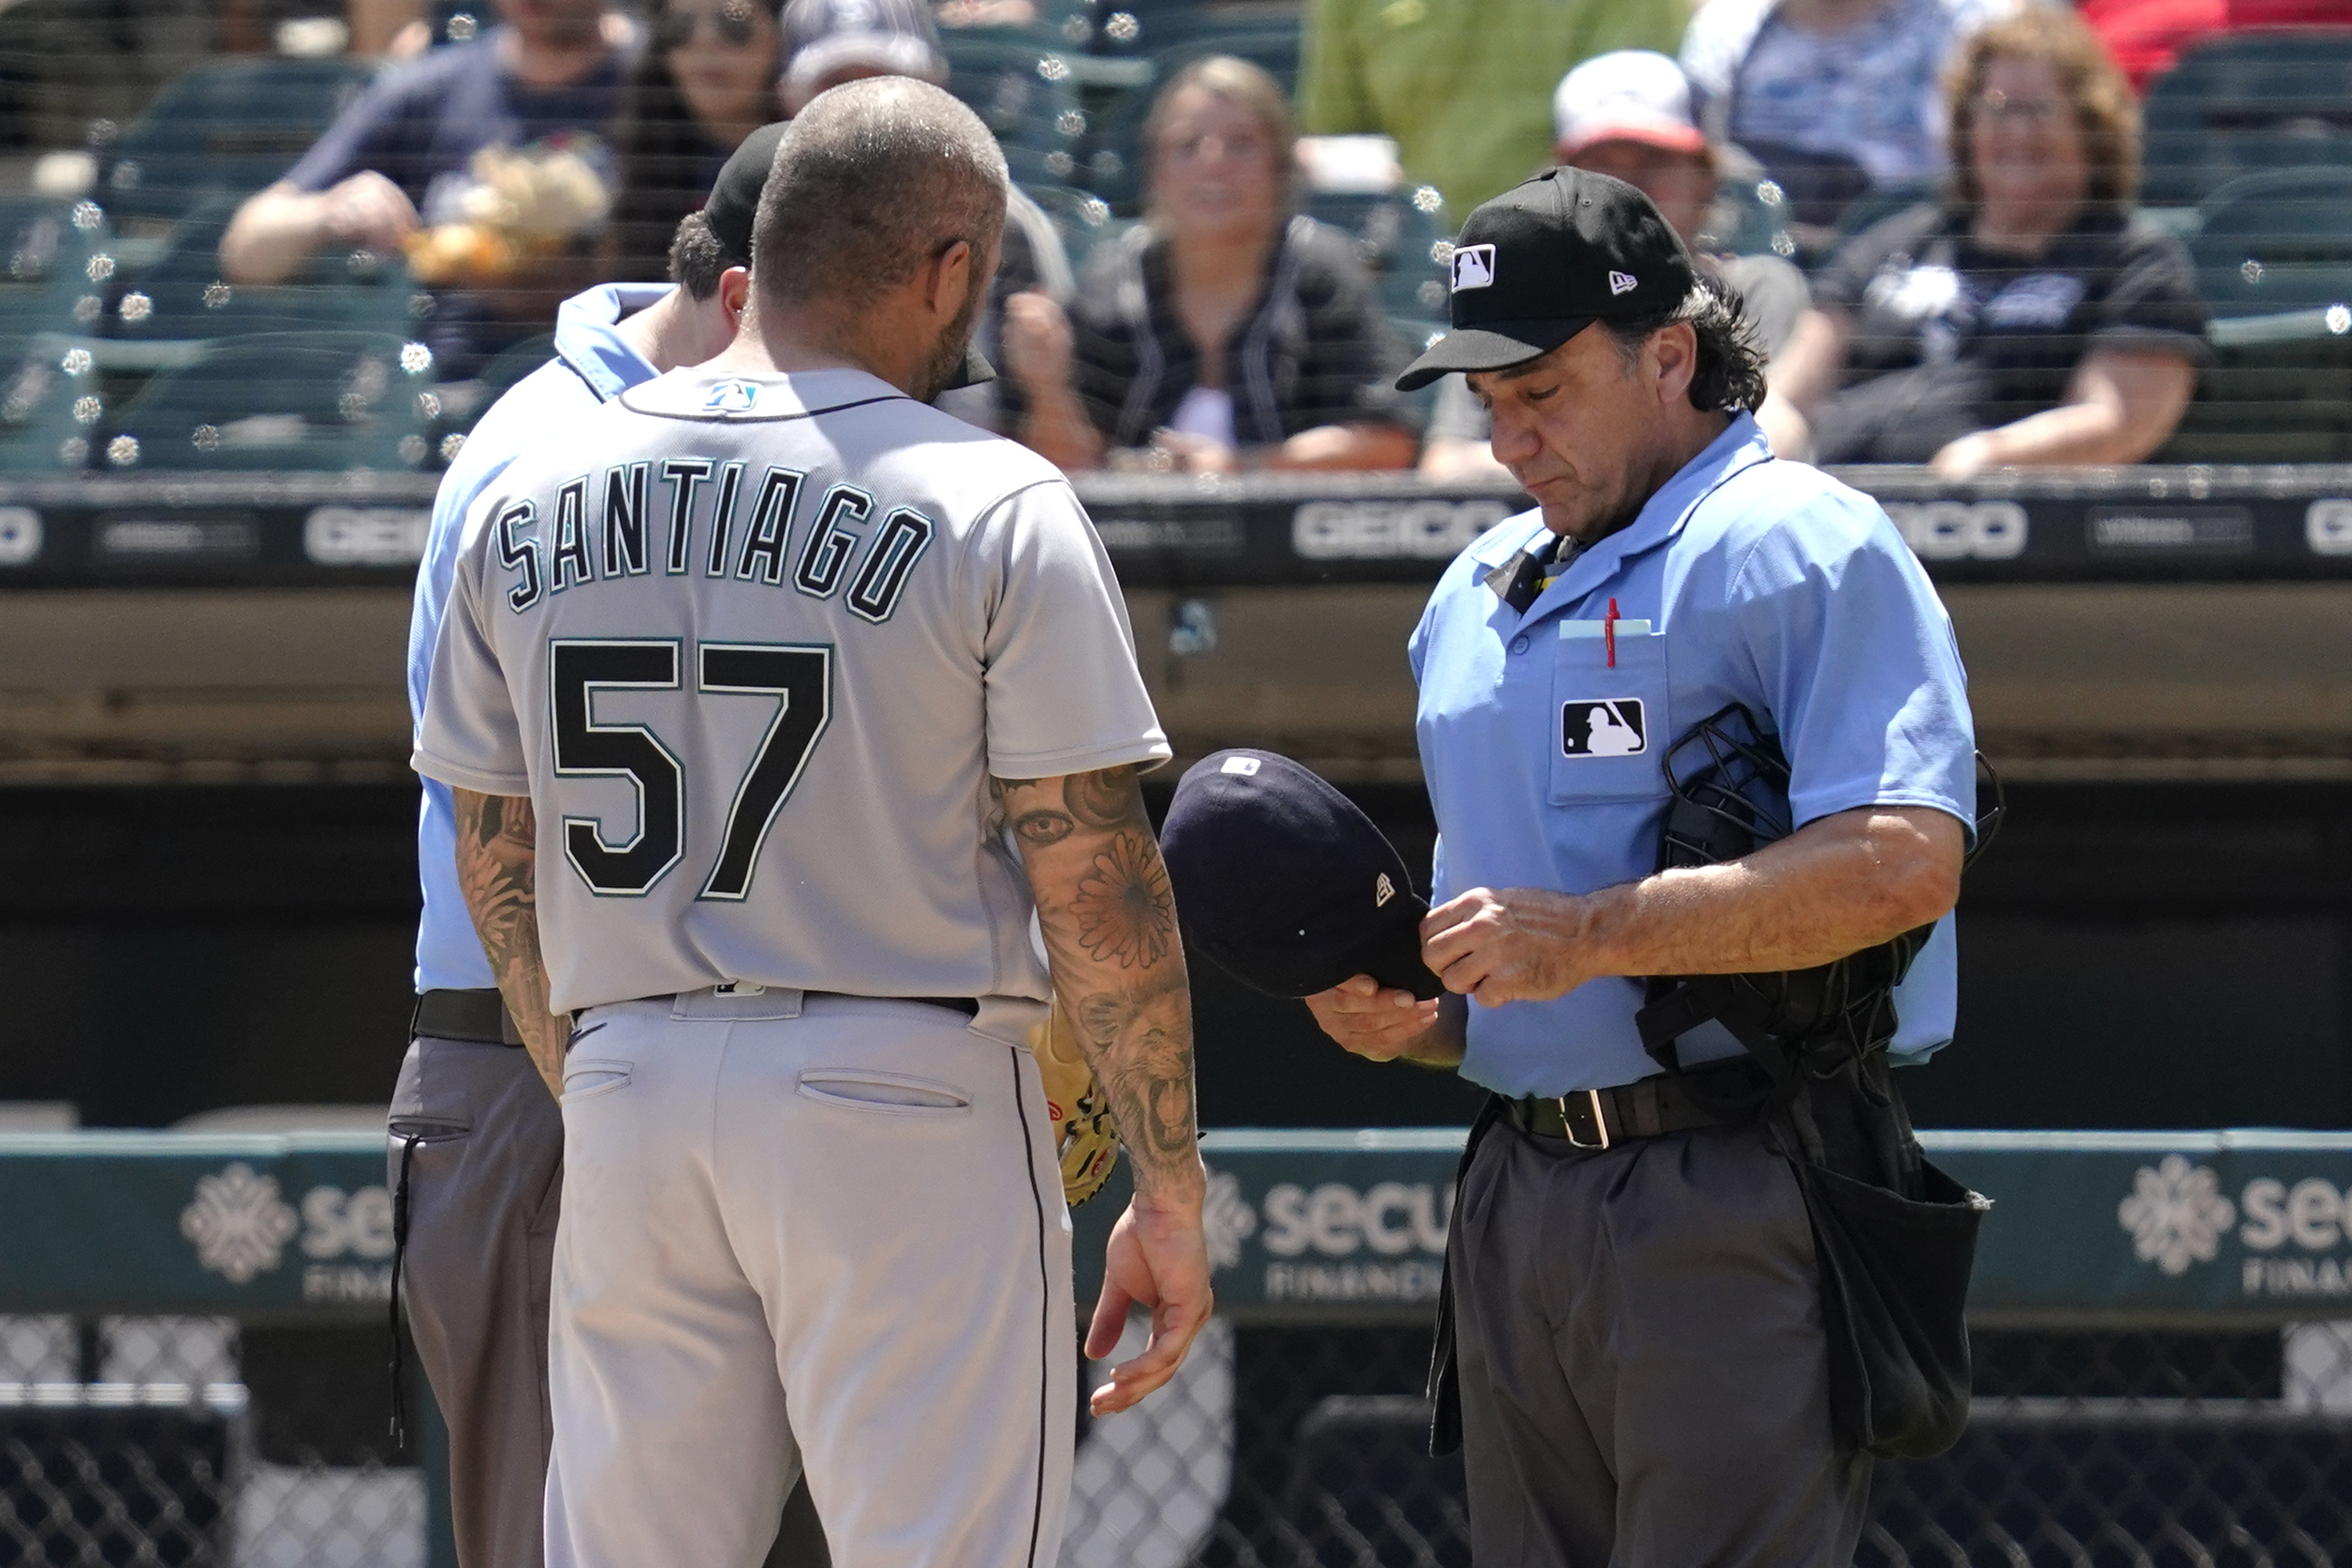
[{"x": 1894, "y": 1284}]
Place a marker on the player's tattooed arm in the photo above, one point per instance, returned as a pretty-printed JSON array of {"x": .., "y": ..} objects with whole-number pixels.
[
  {"x": 497, "y": 857},
  {"x": 1109, "y": 921}
]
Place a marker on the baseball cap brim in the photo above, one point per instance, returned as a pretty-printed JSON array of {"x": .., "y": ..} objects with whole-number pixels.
[
  {"x": 1660, "y": 132},
  {"x": 1494, "y": 346}
]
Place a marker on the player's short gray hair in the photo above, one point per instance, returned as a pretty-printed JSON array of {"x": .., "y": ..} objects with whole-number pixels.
[{"x": 873, "y": 180}]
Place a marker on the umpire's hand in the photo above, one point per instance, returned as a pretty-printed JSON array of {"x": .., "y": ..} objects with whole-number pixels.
[{"x": 1385, "y": 1025}]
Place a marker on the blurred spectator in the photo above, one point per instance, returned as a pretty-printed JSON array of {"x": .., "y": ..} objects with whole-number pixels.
[
  {"x": 1460, "y": 84},
  {"x": 706, "y": 81},
  {"x": 829, "y": 42},
  {"x": 1833, "y": 97},
  {"x": 1224, "y": 331},
  {"x": 405, "y": 157},
  {"x": 2029, "y": 319},
  {"x": 1628, "y": 114}
]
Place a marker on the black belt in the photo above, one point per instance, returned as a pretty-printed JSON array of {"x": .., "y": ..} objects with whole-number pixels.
[
  {"x": 1669, "y": 1102},
  {"x": 478, "y": 1017}
]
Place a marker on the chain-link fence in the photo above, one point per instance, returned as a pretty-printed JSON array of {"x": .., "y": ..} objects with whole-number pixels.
[
  {"x": 191, "y": 1441},
  {"x": 140, "y": 1440}
]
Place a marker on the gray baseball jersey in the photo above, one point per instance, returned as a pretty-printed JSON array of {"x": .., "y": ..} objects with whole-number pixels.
[{"x": 752, "y": 646}]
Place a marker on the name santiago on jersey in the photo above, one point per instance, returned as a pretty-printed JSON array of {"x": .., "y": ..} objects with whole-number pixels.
[{"x": 579, "y": 547}]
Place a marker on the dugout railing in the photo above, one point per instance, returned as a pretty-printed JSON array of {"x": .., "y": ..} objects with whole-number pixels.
[{"x": 192, "y": 1365}]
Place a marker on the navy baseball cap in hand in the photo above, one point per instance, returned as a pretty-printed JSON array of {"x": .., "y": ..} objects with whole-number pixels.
[
  {"x": 1285, "y": 884},
  {"x": 1545, "y": 260}
]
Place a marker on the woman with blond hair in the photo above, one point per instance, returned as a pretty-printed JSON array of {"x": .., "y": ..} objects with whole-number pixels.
[
  {"x": 1225, "y": 332},
  {"x": 2027, "y": 318}
]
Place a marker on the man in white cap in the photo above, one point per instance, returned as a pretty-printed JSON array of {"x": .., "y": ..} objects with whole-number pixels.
[{"x": 1628, "y": 114}]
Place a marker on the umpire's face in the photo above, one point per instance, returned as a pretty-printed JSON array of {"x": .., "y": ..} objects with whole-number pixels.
[{"x": 1589, "y": 429}]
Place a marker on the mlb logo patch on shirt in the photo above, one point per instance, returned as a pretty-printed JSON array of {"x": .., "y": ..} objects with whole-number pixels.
[
  {"x": 1473, "y": 267},
  {"x": 1610, "y": 727},
  {"x": 731, "y": 397}
]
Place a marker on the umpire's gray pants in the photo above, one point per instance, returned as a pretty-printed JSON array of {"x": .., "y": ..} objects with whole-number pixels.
[
  {"x": 484, "y": 1185},
  {"x": 1645, "y": 1381}
]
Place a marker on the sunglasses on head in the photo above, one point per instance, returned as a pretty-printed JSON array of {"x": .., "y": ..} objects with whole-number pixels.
[{"x": 733, "y": 24}]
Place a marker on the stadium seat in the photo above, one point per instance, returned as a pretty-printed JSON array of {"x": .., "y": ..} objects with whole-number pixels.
[
  {"x": 2244, "y": 102},
  {"x": 2278, "y": 241},
  {"x": 179, "y": 295},
  {"x": 299, "y": 401},
  {"x": 50, "y": 247},
  {"x": 1018, "y": 81},
  {"x": 231, "y": 125},
  {"x": 1395, "y": 237}
]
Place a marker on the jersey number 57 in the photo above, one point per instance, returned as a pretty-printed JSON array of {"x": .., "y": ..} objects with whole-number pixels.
[{"x": 800, "y": 679}]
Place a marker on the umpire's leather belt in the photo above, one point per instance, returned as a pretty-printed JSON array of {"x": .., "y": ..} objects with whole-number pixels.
[
  {"x": 478, "y": 1017},
  {"x": 1669, "y": 1102}
]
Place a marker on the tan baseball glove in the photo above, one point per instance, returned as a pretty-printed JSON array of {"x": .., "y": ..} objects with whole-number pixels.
[{"x": 1083, "y": 1133}]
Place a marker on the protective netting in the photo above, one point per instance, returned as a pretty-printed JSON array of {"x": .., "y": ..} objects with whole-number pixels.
[
  {"x": 129, "y": 1440},
  {"x": 190, "y": 1441}
]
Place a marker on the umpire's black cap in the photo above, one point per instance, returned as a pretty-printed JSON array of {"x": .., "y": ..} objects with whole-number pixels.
[
  {"x": 1286, "y": 885},
  {"x": 1545, "y": 260}
]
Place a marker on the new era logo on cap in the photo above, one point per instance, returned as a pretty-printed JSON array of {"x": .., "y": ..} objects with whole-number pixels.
[
  {"x": 1473, "y": 267},
  {"x": 1623, "y": 283}
]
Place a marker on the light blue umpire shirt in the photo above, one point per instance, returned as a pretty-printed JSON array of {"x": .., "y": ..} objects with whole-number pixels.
[
  {"x": 1761, "y": 582},
  {"x": 593, "y": 364}
]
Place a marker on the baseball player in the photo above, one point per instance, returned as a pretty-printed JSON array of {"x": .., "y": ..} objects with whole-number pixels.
[
  {"x": 478, "y": 1142},
  {"x": 783, "y": 714}
]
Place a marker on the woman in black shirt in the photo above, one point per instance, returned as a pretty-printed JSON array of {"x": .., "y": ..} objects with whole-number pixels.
[
  {"x": 706, "y": 80},
  {"x": 2030, "y": 319},
  {"x": 1223, "y": 332}
]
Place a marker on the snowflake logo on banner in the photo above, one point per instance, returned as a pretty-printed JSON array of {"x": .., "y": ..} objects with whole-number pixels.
[
  {"x": 1227, "y": 1220},
  {"x": 239, "y": 1223},
  {"x": 2176, "y": 1214}
]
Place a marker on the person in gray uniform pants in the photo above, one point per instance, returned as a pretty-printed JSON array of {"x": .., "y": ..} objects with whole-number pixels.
[
  {"x": 1643, "y": 1372},
  {"x": 793, "y": 729},
  {"x": 477, "y": 1138}
]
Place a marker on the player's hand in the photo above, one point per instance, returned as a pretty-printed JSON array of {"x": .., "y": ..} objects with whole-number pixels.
[
  {"x": 366, "y": 210},
  {"x": 1511, "y": 944},
  {"x": 1037, "y": 343},
  {"x": 1158, "y": 1257},
  {"x": 1378, "y": 1023}
]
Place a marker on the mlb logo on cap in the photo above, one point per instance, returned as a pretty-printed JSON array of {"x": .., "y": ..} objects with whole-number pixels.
[{"x": 1474, "y": 266}]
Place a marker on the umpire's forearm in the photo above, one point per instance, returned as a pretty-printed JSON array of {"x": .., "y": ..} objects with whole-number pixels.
[
  {"x": 1109, "y": 922},
  {"x": 498, "y": 872}
]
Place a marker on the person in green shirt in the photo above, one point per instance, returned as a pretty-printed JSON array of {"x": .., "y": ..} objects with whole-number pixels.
[{"x": 1464, "y": 86}]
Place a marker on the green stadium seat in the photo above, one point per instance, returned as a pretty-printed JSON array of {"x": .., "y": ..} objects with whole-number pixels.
[
  {"x": 2244, "y": 102},
  {"x": 1019, "y": 81},
  {"x": 1113, "y": 163},
  {"x": 179, "y": 295},
  {"x": 230, "y": 125},
  {"x": 49, "y": 247},
  {"x": 293, "y": 400},
  {"x": 1395, "y": 238},
  {"x": 2274, "y": 254}
]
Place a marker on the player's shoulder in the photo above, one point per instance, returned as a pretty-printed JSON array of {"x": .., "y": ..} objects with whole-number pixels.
[{"x": 1779, "y": 521}]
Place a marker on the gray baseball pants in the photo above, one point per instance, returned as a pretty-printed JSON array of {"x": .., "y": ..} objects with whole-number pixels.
[
  {"x": 485, "y": 1182},
  {"x": 1643, "y": 1376}
]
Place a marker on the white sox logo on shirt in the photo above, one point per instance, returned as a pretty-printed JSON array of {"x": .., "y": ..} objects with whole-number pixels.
[
  {"x": 1610, "y": 727},
  {"x": 1473, "y": 267}
]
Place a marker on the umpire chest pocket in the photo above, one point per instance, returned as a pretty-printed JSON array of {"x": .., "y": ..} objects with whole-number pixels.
[{"x": 1607, "y": 724}]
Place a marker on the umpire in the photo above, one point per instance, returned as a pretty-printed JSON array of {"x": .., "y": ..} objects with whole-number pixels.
[{"x": 1639, "y": 1345}]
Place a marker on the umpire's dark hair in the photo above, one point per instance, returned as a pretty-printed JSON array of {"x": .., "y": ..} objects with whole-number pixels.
[
  {"x": 871, "y": 181},
  {"x": 697, "y": 258},
  {"x": 1730, "y": 374}
]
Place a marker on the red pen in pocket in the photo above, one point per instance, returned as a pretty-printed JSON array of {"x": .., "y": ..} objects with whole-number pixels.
[{"x": 1609, "y": 633}]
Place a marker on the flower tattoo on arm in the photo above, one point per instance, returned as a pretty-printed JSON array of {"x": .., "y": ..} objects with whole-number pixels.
[{"x": 1125, "y": 912}]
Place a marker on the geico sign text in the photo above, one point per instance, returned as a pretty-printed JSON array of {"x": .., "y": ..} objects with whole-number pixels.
[
  {"x": 1428, "y": 529},
  {"x": 1391, "y": 1218},
  {"x": 1961, "y": 530}
]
